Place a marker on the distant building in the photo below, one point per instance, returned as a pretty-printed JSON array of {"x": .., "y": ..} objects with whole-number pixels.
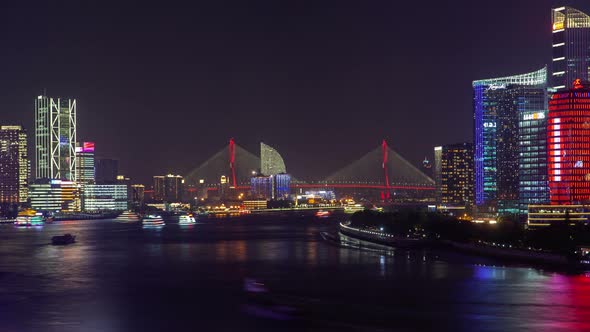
[
  {"x": 106, "y": 171},
  {"x": 271, "y": 162},
  {"x": 455, "y": 180},
  {"x": 499, "y": 103},
  {"x": 138, "y": 195},
  {"x": 281, "y": 185},
  {"x": 85, "y": 163},
  {"x": 104, "y": 197},
  {"x": 261, "y": 187},
  {"x": 571, "y": 46},
  {"x": 255, "y": 204},
  {"x": 55, "y": 195},
  {"x": 569, "y": 145},
  {"x": 55, "y": 138},
  {"x": 168, "y": 188},
  {"x": 437, "y": 171},
  {"x": 545, "y": 215},
  {"x": 14, "y": 165}
]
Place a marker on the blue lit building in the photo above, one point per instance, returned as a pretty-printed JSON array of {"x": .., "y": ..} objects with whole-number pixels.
[
  {"x": 261, "y": 187},
  {"x": 510, "y": 152},
  {"x": 281, "y": 186}
]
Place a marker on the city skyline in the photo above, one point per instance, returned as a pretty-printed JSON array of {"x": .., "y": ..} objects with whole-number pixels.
[{"x": 361, "y": 91}]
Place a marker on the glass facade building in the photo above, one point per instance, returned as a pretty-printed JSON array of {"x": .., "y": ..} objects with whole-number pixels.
[
  {"x": 261, "y": 187},
  {"x": 55, "y": 195},
  {"x": 55, "y": 138},
  {"x": 104, "y": 197},
  {"x": 569, "y": 145},
  {"x": 571, "y": 47},
  {"x": 168, "y": 188},
  {"x": 14, "y": 165},
  {"x": 281, "y": 186},
  {"x": 85, "y": 163},
  {"x": 271, "y": 162},
  {"x": 499, "y": 104}
]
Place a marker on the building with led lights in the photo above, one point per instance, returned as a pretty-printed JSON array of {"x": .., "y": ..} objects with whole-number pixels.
[
  {"x": 281, "y": 185},
  {"x": 55, "y": 138},
  {"x": 104, "y": 197},
  {"x": 499, "y": 106},
  {"x": 168, "y": 188},
  {"x": 455, "y": 180},
  {"x": 261, "y": 187},
  {"x": 271, "y": 162},
  {"x": 14, "y": 165},
  {"x": 85, "y": 163},
  {"x": 55, "y": 195},
  {"x": 137, "y": 195},
  {"x": 571, "y": 47},
  {"x": 569, "y": 145}
]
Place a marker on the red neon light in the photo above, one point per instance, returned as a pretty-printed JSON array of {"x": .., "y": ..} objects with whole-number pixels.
[
  {"x": 232, "y": 159},
  {"x": 578, "y": 84}
]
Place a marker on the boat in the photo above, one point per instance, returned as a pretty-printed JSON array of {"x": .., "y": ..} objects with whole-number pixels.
[
  {"x": 152, "y": 220},
  {"x": 322, "y": 214},
  {"x": 29, "y": 217},
  {"x": 352, "y": 208},
  {"x": 62, "y": 240},
  {"x": 186, "y": 219},
  {"x": 128, "y": 216}
]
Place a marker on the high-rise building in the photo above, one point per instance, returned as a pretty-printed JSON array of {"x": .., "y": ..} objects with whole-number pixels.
[
  {"x": 499, "y": 103},
  {"x": 138, "y": 194},
  {"x": 85, "y": 163},
  {"x": 437, "y": 170},
  {"x": 55, "y": 138},
  {"x": 569, "y": 145},
  {"x": 571, "y": 46},
  {"x": 168, "y": 188},
  {"x": 455, "y": 182},
  {"x": 271, "y": 162},
  {"x": 281, "y": 185},
  {"x": 14, "y": 165},
  {"x": 55, "y": 195},
  {"x": 106, "y": 171},
  {"x": 261, "y": 187}
]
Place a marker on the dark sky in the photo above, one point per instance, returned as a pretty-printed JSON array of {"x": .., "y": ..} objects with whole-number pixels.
[{"x": 162, "y": 86}]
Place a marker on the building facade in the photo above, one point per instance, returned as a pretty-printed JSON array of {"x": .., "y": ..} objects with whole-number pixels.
[
  {"x": 455, "y": 181},
  {"x": 571, "y": 47},
  {"x": 85, "y": 163},
  {"x": 569, "y": 145},
  {"x": 14, "y": 165},
  {"x": 168, "y": 188},
  {"x": 138, "y": 195},
  {"x": 261, "y": 187},
  {"x": 55, "y": 138},
  {"x": 271, "y": 162},
  {"x": 499, "y": 103},
  {"x": 104, "y": 197},
  {"x": 106, "y": 170},
  {"x": 55, "y": 195},
  {"x": 281, "y": 186}
]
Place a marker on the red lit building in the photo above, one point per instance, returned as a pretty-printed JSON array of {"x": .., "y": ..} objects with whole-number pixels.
[{"x": 568, "y": 139}]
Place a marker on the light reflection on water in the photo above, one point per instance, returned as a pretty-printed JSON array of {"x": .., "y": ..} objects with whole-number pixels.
[{"x": 119, "y": 274}]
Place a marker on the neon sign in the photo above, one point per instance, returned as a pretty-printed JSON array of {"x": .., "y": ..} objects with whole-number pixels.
[
  {"x": 489, "y": 125},
  {"x": 496, "y": 86},
  {"x": 534, "y": 116}
]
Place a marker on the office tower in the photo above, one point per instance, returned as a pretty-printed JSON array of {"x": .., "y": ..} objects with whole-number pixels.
[
  {"x": 14, "y": 165},
  {"x": 159, "y": 187},
  {"x": 85, "y": 163},
  {"x": 271, "y": 162},
  {"x": 261, "y": 187},
  {"x": 569, "y": 145},
  {"x": 168, "y": 188},
  {"x": 455, "y": 181},
  {"x": 106, "y": 171},
  {"x": 55, "y": 138},
  {"x": 571, "y": 47},
  {"x": 499, "y": 103},
  {"x": 281, "y": 185}
]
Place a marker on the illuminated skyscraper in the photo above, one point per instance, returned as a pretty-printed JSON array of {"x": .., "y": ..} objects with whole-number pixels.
[
  {"x": 499, "y": 104},
  {"x": 271, "y": 162},
  {"x": 569, "y": 145},
  {"x": 14, "y": 165},
  {"x": 571, "y": 46},
  {"x": 55, "y": 138},
  {"x": 168, "y": 188},
  {"x": 137, "y": 194},
  {"x": 85, "y": 163},
  {"x": 455, "y": 181}
]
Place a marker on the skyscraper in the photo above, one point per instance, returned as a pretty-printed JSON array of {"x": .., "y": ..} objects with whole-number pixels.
[
  {"x": 106, "y": 171},
  {"x": 168, "y": 188},
  {"x": 499, "y": 103},
  {"x": 55, "y": 138},
  {"x": 455, "y": 181},
  {"x": 14, "y": 165},
  {"x": 85, "y": 163},
  {"x": 271, "y": 162},
  {"x": 569, "y": 145},
  {"x": 571, "y": 46}
]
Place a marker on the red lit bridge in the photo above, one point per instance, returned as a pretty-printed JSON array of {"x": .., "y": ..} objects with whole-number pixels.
[{"x": 381, "y": 170}]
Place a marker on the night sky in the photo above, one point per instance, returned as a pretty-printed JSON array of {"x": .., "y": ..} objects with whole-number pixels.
[{"x": 162, "y": 86}]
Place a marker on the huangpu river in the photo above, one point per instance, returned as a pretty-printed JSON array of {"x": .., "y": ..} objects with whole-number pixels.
[{"x": 124, "y": 277}]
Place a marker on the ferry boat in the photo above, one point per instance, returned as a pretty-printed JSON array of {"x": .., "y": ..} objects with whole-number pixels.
[
  {"x": 128, "y": 216},
  {"x": 352, "y": 208},
  {"x": 152, "y": 220},
  {"x": 29, "y": 217},
  {"x": 62, "y": 240},
  {"x": 322, "y": 214}
]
